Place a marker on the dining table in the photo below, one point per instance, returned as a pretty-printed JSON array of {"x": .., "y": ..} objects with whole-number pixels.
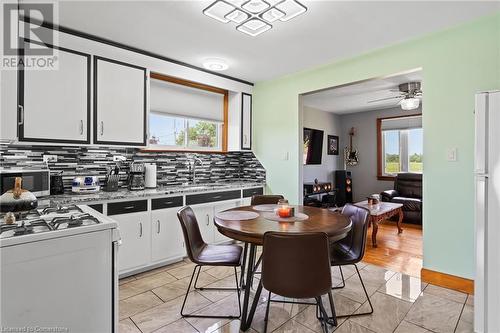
[{"x": 248, "y": 224}]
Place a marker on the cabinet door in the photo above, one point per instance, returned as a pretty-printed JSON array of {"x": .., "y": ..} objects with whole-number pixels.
[
  {"x": 246, "y": 121},
  {"x": 119, "y": 103},
  {"x": 54, "y": 104},
  {"x": 135, "y": 232},
  {"x": 204, "y": 215},
  {"x": 218, "y": 237},
  {"x": 166, "y": 235}
]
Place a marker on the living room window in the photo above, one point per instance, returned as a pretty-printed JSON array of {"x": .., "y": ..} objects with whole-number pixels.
[
  {"x": 186, "y": 115},
  {"x": 400, "y": 145}
]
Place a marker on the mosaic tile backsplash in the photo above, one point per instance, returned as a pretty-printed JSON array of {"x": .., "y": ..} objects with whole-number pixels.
[{"x": 173, "y": 168}]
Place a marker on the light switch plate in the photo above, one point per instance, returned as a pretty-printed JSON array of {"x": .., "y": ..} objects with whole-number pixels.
[
  {"x": 286, "y": 156},
  {"x": 452, "y": 154}
]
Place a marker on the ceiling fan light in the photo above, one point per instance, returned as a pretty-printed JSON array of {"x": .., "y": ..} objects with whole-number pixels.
[
  {"x": 237, "y": 16},
  {"x": 292, "y": 8},
  {"x": 254, "y": 27},
  {"x": 272, "y": 15},
  {"x": 215, "y": 64},
  {"x": 411, "y": 103},
  {"x": 219, "y": 10},
  {"x": 255, "y": 6}
]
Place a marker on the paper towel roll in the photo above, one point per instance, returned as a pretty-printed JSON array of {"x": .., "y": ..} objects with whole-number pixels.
[{"x": 150, "y": 177}]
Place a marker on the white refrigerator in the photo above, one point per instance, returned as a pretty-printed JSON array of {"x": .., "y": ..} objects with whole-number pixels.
[{"x": 487, "y": 212}]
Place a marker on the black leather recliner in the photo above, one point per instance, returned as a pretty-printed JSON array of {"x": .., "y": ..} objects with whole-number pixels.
[{"x": 407, "y": 191}]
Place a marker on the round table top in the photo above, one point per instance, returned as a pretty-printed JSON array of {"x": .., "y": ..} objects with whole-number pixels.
[{"x": 335, "y": 225}]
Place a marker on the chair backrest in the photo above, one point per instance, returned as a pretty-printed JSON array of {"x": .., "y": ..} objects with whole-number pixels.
[
  {"x": 409, "y": 185},
  {"x": 296, "y": 265},
  {"x": 355, "y": 241},
  {"x": 260, "y": 199},
  {"x": 191, "y": 231}
]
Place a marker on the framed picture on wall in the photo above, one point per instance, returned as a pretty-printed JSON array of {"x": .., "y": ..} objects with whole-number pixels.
[{"x": 333, "y": 145}]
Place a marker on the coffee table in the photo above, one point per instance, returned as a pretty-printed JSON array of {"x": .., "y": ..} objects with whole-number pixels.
[{"x": 380, "y": 213}]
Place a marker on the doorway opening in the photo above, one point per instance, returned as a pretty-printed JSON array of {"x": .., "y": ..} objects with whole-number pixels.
[{"x": 362, "y": 143}]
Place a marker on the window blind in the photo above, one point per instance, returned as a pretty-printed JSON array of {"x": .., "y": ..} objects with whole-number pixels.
[
  {"x": 178, "y": 100},
  {"x": 402, "y": 123}
]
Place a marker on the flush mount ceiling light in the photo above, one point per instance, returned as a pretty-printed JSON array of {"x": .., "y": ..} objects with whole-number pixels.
[
  {"x": 215, "y": 64},
  {"x": 254, "y": 17}
]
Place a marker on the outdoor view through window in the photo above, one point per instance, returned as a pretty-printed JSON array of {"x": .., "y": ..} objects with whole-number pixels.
[{"x": 403, "y": 150}]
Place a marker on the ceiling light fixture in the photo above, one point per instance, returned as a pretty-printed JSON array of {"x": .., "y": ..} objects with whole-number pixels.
[
  {"x": 254, "y": 17},
  {"x": 410, "y": 103},
  {"x": 215, "y": 64}
]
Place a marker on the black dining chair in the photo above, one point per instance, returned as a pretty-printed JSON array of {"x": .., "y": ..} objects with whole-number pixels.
[
  {"x": 203, "y": 254},
  {"x": 351, "y": 249},
  {"x": 297, "y": 265}
]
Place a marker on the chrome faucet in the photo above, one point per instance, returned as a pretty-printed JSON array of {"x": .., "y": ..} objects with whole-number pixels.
[{"x": 195, "y": 160}]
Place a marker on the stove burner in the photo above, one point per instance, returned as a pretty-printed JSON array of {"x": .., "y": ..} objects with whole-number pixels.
[
  {"x": 23, "y": 229},
  {"x": 72, "y": 221},
  {"x": 60, "y": 210}
]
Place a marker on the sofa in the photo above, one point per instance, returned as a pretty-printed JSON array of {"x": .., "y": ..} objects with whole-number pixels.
[{"x": 407, "y": 191}]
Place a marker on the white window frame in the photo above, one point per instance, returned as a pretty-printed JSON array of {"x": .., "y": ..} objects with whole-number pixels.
[{"x": 186, "y": 146}]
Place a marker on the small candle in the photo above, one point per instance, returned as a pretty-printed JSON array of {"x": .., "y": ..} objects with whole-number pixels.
[{"x": 284, "y": 212}]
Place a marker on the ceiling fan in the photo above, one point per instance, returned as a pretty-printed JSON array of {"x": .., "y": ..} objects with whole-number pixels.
[{"x": 409, "y": 95}]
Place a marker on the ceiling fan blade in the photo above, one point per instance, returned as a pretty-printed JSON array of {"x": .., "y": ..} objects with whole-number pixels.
[{"x": 385, "y": 99}]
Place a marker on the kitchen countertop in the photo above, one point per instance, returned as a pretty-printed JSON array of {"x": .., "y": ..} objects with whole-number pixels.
[{"x": 74, "y": 198}]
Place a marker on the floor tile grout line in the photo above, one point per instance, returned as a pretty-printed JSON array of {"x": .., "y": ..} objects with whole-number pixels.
[
  {"x": 133, "y": 322},
  {"x": 460, "y": 316}
]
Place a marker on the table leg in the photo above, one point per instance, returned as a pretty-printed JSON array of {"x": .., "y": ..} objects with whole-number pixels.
[
  {"x": 400, "y": 220},
  {"x": 246, "y": 322},
  {"x": 243, "y": 263},
  {"x": 374, "y": 232}
]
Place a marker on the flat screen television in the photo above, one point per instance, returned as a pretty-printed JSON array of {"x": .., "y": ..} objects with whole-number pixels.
[{"x": 313, "y": 146}]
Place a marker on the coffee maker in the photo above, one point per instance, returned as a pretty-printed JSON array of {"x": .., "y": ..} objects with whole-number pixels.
[{"x": 136, "y": 176}]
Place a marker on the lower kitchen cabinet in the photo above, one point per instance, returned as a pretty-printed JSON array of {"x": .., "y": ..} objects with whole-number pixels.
[
  {"x": 167, "y": 241},
  {"x": 218, "y": 237},
  {"x": 205, "y": 215},
  {"x": 135, "y": 231}
]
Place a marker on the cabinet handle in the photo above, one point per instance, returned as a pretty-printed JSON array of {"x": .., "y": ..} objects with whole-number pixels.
[
  {"x": 245, "y": 139},
  {"x": 81, "y": 127},
  {"x": 140, "y": 229},
  {"x": 102, "y": 128},
  {"x": 21, "y": 115},
  {"x": 158, "y": 226},
  {"x": 217, "y": 197},
  {"x": 129, "y": 207},
  {"x": 208, "y": 219}
]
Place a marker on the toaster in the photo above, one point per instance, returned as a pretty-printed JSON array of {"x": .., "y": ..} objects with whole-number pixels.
[{"x": 85, "y": 184}]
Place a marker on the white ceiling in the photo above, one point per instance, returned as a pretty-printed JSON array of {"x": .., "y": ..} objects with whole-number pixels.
[
  {"x": 355, "y": 97},
  {"x": 328, "y": 31}
]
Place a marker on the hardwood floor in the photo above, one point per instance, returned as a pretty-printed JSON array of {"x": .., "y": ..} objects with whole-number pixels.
[{"x": 400, "y": 253}]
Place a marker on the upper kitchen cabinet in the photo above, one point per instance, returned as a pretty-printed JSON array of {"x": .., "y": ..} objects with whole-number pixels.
[
  {"x": 119, "y": 103},
  {"x": 54, "y": 105},
  {"x": 246, "y": 121}
]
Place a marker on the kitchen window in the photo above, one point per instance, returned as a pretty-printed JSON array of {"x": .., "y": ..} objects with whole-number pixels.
[
  {"x": 185, "y": 115},
  {"x": 400, "y": 145}
]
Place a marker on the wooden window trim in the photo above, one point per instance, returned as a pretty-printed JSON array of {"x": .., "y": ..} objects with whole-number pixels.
[
  {"x": 205, "y": 87},
  {"x": 380, "y": 174}
]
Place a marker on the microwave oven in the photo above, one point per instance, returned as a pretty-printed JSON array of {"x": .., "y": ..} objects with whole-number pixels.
[{"x": 36, "y": 181}]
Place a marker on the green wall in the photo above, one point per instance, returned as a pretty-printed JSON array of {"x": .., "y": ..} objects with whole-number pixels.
[{"x": 456, "y": 64}]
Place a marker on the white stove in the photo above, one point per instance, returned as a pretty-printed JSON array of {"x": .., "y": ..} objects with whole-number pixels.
[{"x": 72, "y": 246}]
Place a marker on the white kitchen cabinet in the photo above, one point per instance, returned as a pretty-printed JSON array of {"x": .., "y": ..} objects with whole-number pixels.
[
  {"x": 167, "y": 241},
  {"x": 218, "y": 207},
  {"x": 54, "y": 105},
  {"x": 246, "y": 121},
  {"x": 135, "y": 232},
  {"x": 204, "y": 216},
  {"x": 119, "y": 103}
]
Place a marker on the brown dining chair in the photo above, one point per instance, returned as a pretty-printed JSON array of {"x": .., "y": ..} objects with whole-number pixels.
[
  {"x": 351, "y": 249},
  {"x": 297, "y": 265},
  {"x": 203, "y": 254},
  {"x": 258, "y": 199}
]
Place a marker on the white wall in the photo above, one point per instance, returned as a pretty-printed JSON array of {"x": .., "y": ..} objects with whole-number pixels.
[
  {"x": 330, "y": 124},
  {"x": 364, "y": 174}
]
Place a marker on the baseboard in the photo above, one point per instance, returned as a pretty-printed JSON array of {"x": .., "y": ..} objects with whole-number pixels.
[{"x": 447, "y": 281}]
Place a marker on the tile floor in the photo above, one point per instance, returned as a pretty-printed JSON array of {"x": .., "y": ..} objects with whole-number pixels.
[{"x": 151, "y": 301}]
